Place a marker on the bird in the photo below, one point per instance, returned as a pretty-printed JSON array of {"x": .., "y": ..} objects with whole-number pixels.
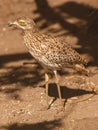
[{"x": 51, "y": 52}]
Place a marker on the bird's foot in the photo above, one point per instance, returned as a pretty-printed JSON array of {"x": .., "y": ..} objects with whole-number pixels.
[
  {"x": 47, "y": 104},
  {"x": 60, "y": 108}
]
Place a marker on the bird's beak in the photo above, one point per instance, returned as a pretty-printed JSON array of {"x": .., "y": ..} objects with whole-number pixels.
[
  {"x": 12, "y": 24},
  {"x": 15, "y": 24}
]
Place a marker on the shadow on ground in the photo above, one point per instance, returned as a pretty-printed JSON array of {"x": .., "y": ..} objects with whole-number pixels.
[
  {"x": 47, "y": 125},
  {"x": 78, "y": 19},
  {"x": 20, "y": 72},
  {"x": 23, "y": 75},
  {"x": 66, "y": 92}
]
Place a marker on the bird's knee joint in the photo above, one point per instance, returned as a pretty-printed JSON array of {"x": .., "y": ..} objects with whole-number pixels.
[{"x": 46, "y": 78}]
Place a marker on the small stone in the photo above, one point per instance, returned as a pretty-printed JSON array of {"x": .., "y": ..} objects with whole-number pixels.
[{"x": 4, "y": 29}]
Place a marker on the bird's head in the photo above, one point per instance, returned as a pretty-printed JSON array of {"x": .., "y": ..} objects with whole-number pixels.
[{"x": 23, "y": 23}]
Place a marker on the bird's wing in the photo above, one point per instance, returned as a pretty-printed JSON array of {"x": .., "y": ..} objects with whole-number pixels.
[{"x": 59, "y": 51}]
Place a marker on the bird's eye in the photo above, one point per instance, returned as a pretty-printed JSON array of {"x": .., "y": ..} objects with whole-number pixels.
[{"x": 22, "y": 22}]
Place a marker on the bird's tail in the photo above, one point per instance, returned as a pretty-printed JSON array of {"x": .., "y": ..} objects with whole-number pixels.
[
  {"x": 82, "y": 69},
  {"x": 82, "y": 60}
]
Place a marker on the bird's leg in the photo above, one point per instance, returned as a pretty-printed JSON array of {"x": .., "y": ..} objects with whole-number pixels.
[
  {"x": 47, "y": 86},
  {"x": 58, "y": 85}
]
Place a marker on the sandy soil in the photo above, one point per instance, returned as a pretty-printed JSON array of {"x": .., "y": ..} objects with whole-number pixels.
[{"x": 22, "y": 89}]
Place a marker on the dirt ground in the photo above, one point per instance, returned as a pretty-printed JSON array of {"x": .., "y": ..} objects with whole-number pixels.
[{"x": 22, "y": 87}]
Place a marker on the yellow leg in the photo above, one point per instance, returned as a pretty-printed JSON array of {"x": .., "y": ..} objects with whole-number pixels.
[
  {"x": 58, "y": 86},
  {"x": 47, "y": 85}
]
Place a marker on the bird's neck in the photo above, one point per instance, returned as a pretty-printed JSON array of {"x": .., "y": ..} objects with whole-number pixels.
[
  {"x": 34, "y": 33},
  {"x": 34, "y": 30},
  {"x": 31, "y": 38}
]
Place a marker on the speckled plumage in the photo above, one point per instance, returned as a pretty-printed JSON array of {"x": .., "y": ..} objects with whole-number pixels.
[{"x": 52, "y": 53}]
